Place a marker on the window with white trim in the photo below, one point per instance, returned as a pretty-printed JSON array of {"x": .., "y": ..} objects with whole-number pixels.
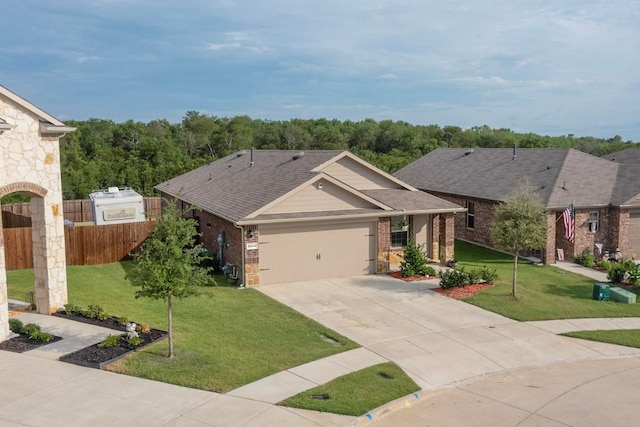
[
  {"x": 594, "y": 221},
  {"x": 399, "y": 232},
  {"x": 471, "y": 217}
]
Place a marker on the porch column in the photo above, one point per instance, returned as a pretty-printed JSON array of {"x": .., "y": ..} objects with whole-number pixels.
[
  {"x": 549, "y": 255},
  {"x": 446, "y": 237},
  {"x": 4, "y": 302}
]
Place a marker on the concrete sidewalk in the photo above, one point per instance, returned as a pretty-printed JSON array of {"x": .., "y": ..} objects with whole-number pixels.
[{"x": 38, "y": 390}]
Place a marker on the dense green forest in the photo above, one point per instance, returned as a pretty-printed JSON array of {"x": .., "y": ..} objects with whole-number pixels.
[{"x": 101, "y": 153}]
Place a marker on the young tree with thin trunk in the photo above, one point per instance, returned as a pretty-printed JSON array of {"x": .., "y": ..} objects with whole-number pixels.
[
  {"x": 168, "y": 265},
  {"x": 519, "y": 224}
]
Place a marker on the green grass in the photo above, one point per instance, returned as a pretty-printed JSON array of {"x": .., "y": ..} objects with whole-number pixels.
[
  {"x": 626, "y": 337},
  {"x": 544, "y": 292},
  {"x": 223, "y": 340},
  {"x": 356, "y": 393}
]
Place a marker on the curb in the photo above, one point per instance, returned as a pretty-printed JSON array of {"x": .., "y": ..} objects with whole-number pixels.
[{"x": 389, "y": 408}]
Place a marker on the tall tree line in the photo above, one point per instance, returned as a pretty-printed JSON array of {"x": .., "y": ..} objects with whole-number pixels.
[{"x": 102, "y": 153}]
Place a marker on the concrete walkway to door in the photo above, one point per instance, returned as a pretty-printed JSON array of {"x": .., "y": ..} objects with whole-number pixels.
[{"x": 437, "y": 340}]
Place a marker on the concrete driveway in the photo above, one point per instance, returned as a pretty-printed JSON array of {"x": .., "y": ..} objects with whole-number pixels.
[{"x": 437, "y": 340}]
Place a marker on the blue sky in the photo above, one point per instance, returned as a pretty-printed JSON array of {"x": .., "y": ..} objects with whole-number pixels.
[{"x": 549, "y": 67}]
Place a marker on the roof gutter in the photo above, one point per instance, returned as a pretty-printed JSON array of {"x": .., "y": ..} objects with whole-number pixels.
[{"x": 348, "y": 217}]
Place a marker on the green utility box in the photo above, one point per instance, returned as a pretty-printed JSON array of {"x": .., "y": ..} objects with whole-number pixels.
[
  {"x": 601, "y": 292},
  {"x": 622, "y": 295}
]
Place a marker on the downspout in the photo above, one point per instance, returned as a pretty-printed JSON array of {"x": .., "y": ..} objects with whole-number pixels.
[{"x": 242, "y": 249}]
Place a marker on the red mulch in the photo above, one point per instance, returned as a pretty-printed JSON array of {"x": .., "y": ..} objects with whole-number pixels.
[
  {"x": 464, "y": 291},
  {"x": 457, "y": 293}
]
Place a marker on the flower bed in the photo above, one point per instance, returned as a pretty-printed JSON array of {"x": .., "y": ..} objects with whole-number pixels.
[
  {"x": 99, "y": 355},
  {"x": 22, "y": 343}
]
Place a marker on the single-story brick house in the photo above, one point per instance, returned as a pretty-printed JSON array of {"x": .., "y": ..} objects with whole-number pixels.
[
  {"x": 283, "y": 216},
  {"x": 605, "y": 193}
]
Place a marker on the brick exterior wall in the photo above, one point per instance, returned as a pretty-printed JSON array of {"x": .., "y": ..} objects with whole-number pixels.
[
  {"x": 388, "y": 258},
  {"x": 384, "y": 244},
  {"x": 613, "y": 231},
  {"x": 483, "y": 212},
  {"x": 446, "y": 237}
]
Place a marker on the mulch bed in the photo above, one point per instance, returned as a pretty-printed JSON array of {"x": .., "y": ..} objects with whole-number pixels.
[
  {"x": 97, "y": 357},
  {"x": 457, "y": 293},
  {"x": 464, "y": 291},
  {"x": 23, "y": 343}
]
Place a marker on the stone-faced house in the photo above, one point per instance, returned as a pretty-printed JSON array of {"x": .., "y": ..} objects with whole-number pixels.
[
  {"x": 283, "y": 216},
  {"x": 605, "y": 193},
  {"x": 30, "y": 163}
]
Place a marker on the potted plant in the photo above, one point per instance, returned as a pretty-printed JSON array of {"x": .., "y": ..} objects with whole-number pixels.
[{"x": 403, "y": 224}]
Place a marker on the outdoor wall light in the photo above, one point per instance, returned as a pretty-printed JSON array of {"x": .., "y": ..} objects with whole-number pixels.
[
  {"x": 249, "y": 233},
  {"x": 319, "y": 186},
  {"x": 4, "y": 126}
]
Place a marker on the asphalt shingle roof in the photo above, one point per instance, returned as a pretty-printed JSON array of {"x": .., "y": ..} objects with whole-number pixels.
[
  {"x": 233, "y": 189},
  {"x": 561, "y": 175}
]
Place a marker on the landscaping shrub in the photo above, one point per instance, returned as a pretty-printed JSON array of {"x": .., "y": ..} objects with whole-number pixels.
[
  {"x": 585, "y": 258},
  {"x": 459, "y": 277},
  {"x": 603, "y": 264},
  {"x": 29, "y": 329},
  {"x": 489, "y": 276},
  {"x": 617, "y": 272},
  {"x": 41, "y": 336},
  {"x": 634, "y": 274},
  {"x": 110, "y": 341},
  {"x": 414, "y": 260},
  {"x": 15, "y": 326},
  {"x": 430, "y": 271},
  {"x": 94, "y": 311},
  {"x": 453, "y": 278},
  {"x": 72, "y": 309}
]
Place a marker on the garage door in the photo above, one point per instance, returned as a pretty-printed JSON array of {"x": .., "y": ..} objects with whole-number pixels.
[
  {"x": 634, "y": 232},
  {"x": 320, "y": 251}
]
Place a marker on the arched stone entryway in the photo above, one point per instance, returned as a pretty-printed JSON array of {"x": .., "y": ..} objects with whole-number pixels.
[{"x": 30, "y": 163}]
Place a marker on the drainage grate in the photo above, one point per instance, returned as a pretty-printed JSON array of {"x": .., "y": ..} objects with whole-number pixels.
[
  {"x": 328, "y": 339},
  {"x": 320, "y": 397}
]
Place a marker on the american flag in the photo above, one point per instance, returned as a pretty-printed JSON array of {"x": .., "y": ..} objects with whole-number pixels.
[{"x": 569, "y": 220}]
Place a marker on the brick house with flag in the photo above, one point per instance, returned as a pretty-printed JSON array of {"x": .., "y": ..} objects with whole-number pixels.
[{"x": 602, "y": 192}]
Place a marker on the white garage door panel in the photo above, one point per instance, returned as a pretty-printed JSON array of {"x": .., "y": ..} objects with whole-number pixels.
[
  {"x": 308, "y": 252},
  {"x": 634, "y": 232}
]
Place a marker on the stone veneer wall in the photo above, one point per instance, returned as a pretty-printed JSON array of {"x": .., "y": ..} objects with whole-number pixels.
[{"x": 30, "y": 162}]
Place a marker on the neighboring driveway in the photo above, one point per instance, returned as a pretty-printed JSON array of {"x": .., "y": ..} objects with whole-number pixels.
[{"x": 437, "y": 340}]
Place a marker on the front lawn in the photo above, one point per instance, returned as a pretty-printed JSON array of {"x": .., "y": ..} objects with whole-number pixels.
[
  {"x": 626, "y": 337},
  {"x": 545, "y": 292},
  {"x": 356, "y": 393},
  {"x": 223, "y": 340}
]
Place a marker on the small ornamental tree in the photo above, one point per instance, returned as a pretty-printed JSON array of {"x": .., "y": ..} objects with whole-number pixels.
[
  {"x": 414, "y": 260},
  {"x": 168, "y": 265},
  {"x": 519, "y": 224}
]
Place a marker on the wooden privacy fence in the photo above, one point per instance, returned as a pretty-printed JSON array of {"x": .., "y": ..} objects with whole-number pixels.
[
  {"x": 86, "y": 245},
  {"x": 19, "y": 214}
]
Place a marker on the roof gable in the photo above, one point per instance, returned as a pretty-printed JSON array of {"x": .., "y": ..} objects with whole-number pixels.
[
  {"x": 320, "y": 194},
  {"x": 359, "y": 174},
  {"x": 48, "y": 122}
]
